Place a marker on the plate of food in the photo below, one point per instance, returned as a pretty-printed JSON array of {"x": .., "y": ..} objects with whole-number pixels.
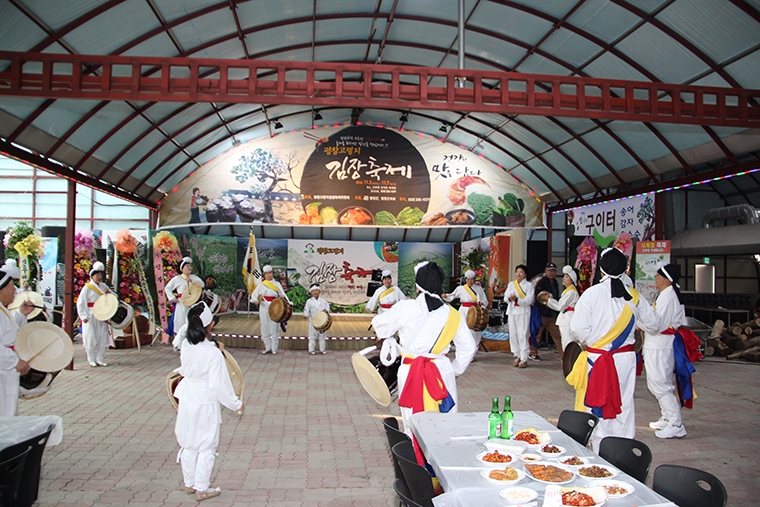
[
  {"x": 530, "y": 458},
  {"x": 597, "y": 472},
  {"x": 355, "y": 215},
  {"x": 549, "y": 473},
  {"x": 507, "y": 475},
  {"x": 616, "y": 489},
  {"x": 518, "y": 494},
  {"x": 491, "y": 457},
  {"x": 573, "y": 461},
  {"x": 584, "y": 497},
  {"x": 550, "y": 451},
  {"x": 533, "y": 437},
  {"x": 460, "y": 217}
]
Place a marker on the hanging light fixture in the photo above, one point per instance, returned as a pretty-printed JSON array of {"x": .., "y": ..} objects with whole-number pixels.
[
  {"x": 317, "y": 116},
  {"x": 444, "y": 127},
  {"x": 277, "y": 124},
  {"x": 404, "y": 118}
]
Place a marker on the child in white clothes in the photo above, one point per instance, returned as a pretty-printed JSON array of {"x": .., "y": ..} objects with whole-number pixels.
[{"x": 314, "y": 305}]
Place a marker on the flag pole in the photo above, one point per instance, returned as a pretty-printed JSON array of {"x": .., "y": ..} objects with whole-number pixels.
[{"x": 248, "y": 313}]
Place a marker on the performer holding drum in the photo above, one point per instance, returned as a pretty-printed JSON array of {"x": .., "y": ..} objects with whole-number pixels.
[
  {"x": 317, "y": 310},
  {"x": 177, "y": 286},
  {"x": 385, "y": 296},
  {"x": 470, "y": 295},
  {"x": 263, "y": 296},
  {"x": 10, "y": 321},
  {"x": 94, "y": 331}
]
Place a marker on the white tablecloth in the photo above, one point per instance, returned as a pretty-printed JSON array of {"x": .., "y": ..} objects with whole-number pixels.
[
  {"x": 18, "y": 429},
  {"x": 451, "y": 443}
]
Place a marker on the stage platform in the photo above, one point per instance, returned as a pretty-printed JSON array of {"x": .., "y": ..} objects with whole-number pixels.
[{"x": 348, "y": 332}]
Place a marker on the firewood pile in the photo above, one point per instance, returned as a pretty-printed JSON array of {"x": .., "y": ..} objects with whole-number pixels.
[{"x": 737, "y": 341}]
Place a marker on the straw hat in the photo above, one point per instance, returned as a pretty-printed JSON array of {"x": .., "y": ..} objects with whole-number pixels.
[
  {"x": 192, "y": 294},
  {"x": 569, "y": 356},
  {"x": 28, "y": 295},
  {"x": 105, "y": 307},
  {"x": 44, "y": 346},
  {"x": 371, "y": 380}
]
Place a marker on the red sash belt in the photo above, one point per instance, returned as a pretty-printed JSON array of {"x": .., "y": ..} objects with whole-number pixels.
[
  {"x": 90, "y": 305},
  {"x": 268, "y": 299},
  {"x": 11, "y": 347},
  {"x": 467, "y": 305},
  {"x": 690, "y": 340},
  {"x": 386, "y": 306},
  {"x": 569, "y": 309},
  {"x": 603, "y": 383}
]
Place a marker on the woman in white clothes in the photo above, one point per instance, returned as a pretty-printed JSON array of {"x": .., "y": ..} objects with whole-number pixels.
[
  {"x": 11, "y": 366},
  {"x": 176, "y": 287},
  {"x": 519, "y": 297},
  {"x": 264, "y": 293},
  {"x": 385, "y": 296},
  {"x": 314, "y": 305},
  {"x": 469, "y": 294},
  {"x": 94, "y": 331},
  {"x": 204, "y": 388},
  {"x": 566, "y": 304}
]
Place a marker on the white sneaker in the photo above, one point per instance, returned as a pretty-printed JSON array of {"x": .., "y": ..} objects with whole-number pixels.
[
  {"x": 324, "y": 352},
  {"x": 274, "y": 353},
  {"x": 671, "y": 432},
  {"x": 661, "y": 424},
  {"x": 266, "y": 352},
  {"x": 101, "y": 364},
  {"x": 312, "y": 352},
  {"x": 93, "y": 365}
]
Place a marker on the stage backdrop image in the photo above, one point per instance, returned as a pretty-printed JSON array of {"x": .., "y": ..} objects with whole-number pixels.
[
  {"x": 411, "y": 254},
  {"x": 353, "y": 175}
]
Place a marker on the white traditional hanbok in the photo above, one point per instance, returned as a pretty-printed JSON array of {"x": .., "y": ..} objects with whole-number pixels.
[
  {"x": 310, "y": 309},
  {"x": 174, "y": 289},
  {"x": 469, "y": 297},
  {"x": 94, "y": 331},
  {"x": 566, "y": 307},
  {"x": 518, "y": 317},
  {"x": 10, "y": 322},
  {"x": 264, "y": 293},
  {"x": 384, "y": 298}
]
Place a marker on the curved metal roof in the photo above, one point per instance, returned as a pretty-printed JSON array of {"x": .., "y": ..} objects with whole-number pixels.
[{"x": 143, "y": 149}]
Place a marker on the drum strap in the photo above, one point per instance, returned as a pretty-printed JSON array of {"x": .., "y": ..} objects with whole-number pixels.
[
  {"x": 5, "y": 311},
  {"x": 470, "y": 292},
  {"x": 571, "y": 288},
  {"x": 95, "y": 288},
  {"x": 387, "y": 292},
  {"x": 468, "y": 304},
  {"x": 519, "y": 290},
  {"x": 268, "y": 299},
  {"x": 447, "y": 333},
  {"x": 269, "y": 285}
]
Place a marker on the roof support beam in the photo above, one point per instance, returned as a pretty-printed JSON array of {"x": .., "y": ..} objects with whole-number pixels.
[{"x": 365, "y": 85}]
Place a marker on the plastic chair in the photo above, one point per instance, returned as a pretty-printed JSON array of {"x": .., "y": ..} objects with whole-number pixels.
[
  {"x": 402, "y": 490},
  {"x": 689, "y": 486},
  {"x": 394, "y": 436},
  {"x": 577, "y": 425},
  {"x": 417, "y": 478},
  {"x": 629, "y": 455},
  {"x": 12, "y": 460},
  {"x": 30, "y": 481}
]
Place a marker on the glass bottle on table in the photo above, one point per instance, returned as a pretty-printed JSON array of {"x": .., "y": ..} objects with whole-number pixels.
[
  {"x": 494, "y": 420},
  {"x": 507, "y": 419}
]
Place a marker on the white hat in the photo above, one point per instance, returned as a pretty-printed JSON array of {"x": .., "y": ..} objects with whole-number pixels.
[
  {"x": 569, "y": 271},
  {"x": 315, "y": 287},
  {"x": 206, "y": 315},
  {"x": 185, "y": 260},
  {"x": 267, "y": 269},
  {"x": 469, "y": 274},
  {"x": 97, "y": 267},
  {"x": 387, "y": 273},
  {"x": 9, "y": 270}
]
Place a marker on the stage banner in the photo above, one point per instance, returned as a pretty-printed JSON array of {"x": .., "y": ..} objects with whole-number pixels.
[
  {"x": 48, "y": 262},
  {"x": 607, "y": 220},
  {"x": 411, "y": 254},
  {"x": 215, "y": 262},
  {"x": 498, "y": 266},
  {"x": 342, "y": 269},
  {"x": 649, "y": 256},
  {"x": 352, "y": 176}
]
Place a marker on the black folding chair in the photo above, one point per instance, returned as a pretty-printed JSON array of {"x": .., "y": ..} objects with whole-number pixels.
[
  {"x": 12, "y": 460},
  {"x": 417, "y": 477},
  {"x": 394, "y": 436},
  {"x": 30, "y": 481},
  {"x": 689, "y": 487},
  {"x": 577, "y": 425},
  {"x": 402, "y": 490},
  {"x": 629, "y": 455}
]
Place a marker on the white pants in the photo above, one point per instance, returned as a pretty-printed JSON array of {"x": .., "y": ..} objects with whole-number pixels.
[
  {"x": 8, "y": 392},
  {"x": 197, "y": 433},
  {"x": 519, "y": 330},
  {"x": 477, "y": 335},
  {"x": 180, "y": 315},
  {"x": 624, "y": 425},
  {"x": 660, "y": 365},
  {"x": 315, "y": 335},
  {"x": 270, "y": 330},
  {"x": 95, "y": 339}
]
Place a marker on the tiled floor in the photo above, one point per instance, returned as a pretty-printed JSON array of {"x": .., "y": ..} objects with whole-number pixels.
[{"x": 310, "y": 436}]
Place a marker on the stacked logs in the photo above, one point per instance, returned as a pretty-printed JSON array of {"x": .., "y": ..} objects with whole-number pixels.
[{"x": 738, "y": 341}]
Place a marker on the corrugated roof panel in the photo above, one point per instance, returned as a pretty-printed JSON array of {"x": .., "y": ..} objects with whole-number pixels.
[
  {"x": 183, "y": 118},
  {"x": 513, "y": 22},
  {"x": 210, "y": 27},
  {"x": 145, "y": 144},
  {"x": 210, "y": 123},
  {"x": 113, "y": 28},
  {"x": 59, "y": 116},
  {"x": 58, "y": 14},
  {"x": 746, "y": 70},
  {"x": 668, "y": 60},
  {"x": 539, "y": 167},
  {"x": 537, "y": 64},
  {"x": 586, "y": 159},
  {"x": 19, "y": 32},
  {"x": 713, "y": 79},
  {"x": 570, "y": 47},
  {"x": 256, "y": 13},
  {"x": 172, "y": 9},
  {"x": 491, "y": 49},
  {"x": 515, "y": 149},
  {"x": 609, "y": 66},
  {"x": 564, "y": 165},
  {"x": 177, "y": 166},
  {"x": 274, "y": 41},
  {"x": 717, "y": 27},
  {"x": 334, "y": 53},
  {"x": 338, "y": 30},
  {"x": 424, "y": 34},
  {"x": 640, "y": 139},
  {"x": 524, "y": 136},
  {"x": 546, "y": 127},
  {"x": 609, "y": 149},
  {"x": 207, "y": 142},
  {"x": 21, "y": 107},
  {"x": 167, "y": 150},
  {"x": 125, "y": 135},
  {"x": 159, "y": 45},
  {"x": 683, "y": 137},
  {"x": 577, "y": 125},
  {"x": 422, "y": 57},
  {"x": 603, "y": 19},
  {"x": 648, "y": 6},
  {"x": 556, "y": 8}
]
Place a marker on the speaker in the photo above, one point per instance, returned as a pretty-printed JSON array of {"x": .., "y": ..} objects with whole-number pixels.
[
  {"x": 372, "y": 288},
  {"x": 377, "y": 275}
]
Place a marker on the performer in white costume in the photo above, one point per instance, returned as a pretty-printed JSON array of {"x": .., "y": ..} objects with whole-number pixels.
[
  {"x": 566, "y": 304},
  {"x": 519, "y": 296},
  {"x": 263, "y": 294},
  {"x": 10, "y": 321},
  {"x": 659, "y": 359},
  {"x": 469, "y": 294},
  {"x": 94, "y": 331},
  {"x": 385, "y": 296},
  {"x": 176, "y": 287},
  {"x": 606, "y": 317},
  {"x": 205, "y": 387},
  {"x": 313, "y": 305},
  {"x": 426, "y": 327}
]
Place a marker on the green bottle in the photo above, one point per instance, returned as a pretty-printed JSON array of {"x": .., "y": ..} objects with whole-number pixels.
[
  {"x": 507, "y": 419},
  {"x": 494, "y": 420}
]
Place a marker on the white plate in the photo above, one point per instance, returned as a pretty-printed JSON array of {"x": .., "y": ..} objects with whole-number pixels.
[
  {"x": 518, "y": 494},
  {"x": 612, "y": 470},
  {"x": 511, "y": 462},
  {"x": 586, "y": 461},
  {"x": 553, "y": 464},
  {"x": 520, "y": 476},
  {"x": 621, "y": 484},
  {"x": 515, "y": 447},
  {"x": 530, "y": 458},
  {"x": 597, "y": 493},
  {"x": 550, "y": 455},
  {"x": 543, "y": 437}
]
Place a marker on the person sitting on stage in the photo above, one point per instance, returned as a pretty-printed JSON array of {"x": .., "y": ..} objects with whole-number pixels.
[
  {"x": 10, "y": 321},
  {"x": 204, "y": 388},
  {"x": 469, "y": 295},
  {"x": 519, "y": 298},
  {"x": 604, "y": 375},
  {"x": 386, "y": 296},
  {"x": 313, "y": 305},
  {"x": 94, "y": 331},
  {"x": 426, "y": 327},
  {"x": 565, "y": 305},
  {"x": 264, "y": 293},
  {"x": 176, "y": 287}
]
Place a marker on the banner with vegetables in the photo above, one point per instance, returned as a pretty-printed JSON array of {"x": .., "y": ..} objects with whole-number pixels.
[{"x": 354, "y": 176}]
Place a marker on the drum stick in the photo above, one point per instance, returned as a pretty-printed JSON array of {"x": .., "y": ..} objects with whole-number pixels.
[
  {"x": 52, "y": 341},
  {"x": 37, "y": 306}
]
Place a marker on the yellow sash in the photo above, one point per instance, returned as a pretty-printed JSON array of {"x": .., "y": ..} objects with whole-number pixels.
[
  {"x": 270, "y": 285},
  {"x": 447, "y": 335},
  {"x": 95, "y": 288},
  {"x": 470, "y": 292},
  {"x": 569, "y": 289},
  {"x": 5, "y": 311},
  {"x": 386, "y": 292},
  {"x": 578, "y": 376},
  {"x": 518, "y": 289}
]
